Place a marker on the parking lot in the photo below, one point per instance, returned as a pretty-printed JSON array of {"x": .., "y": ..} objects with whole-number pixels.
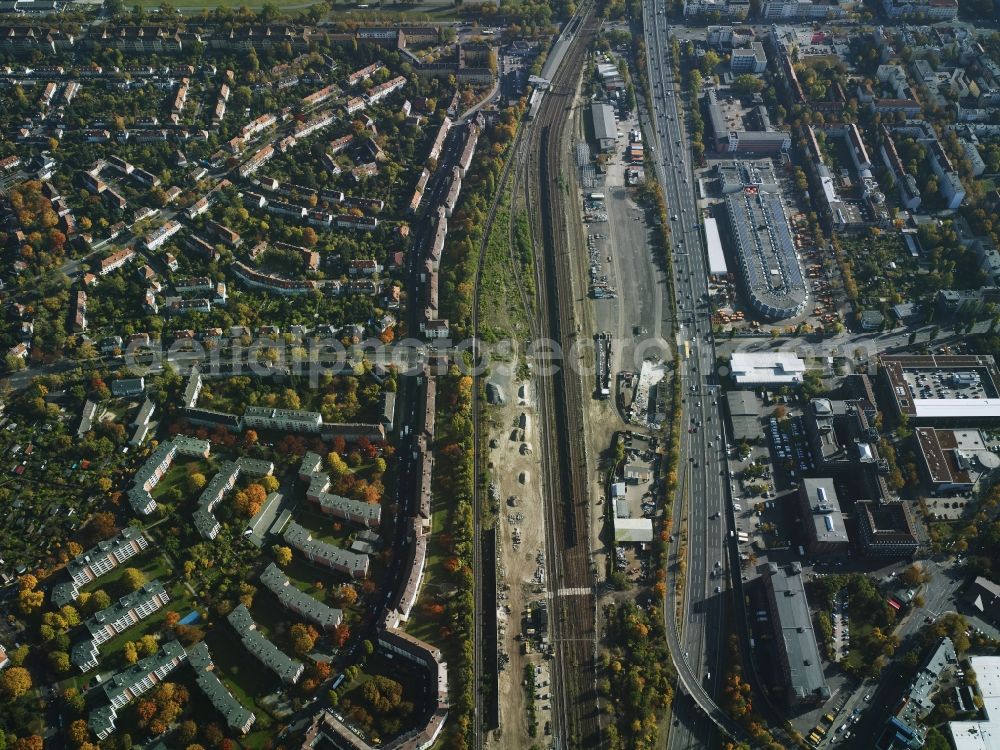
[{"x": 841, "y": 627}]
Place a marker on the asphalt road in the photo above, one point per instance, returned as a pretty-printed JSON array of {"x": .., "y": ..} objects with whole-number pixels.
[{"x": 702, "y": 451}]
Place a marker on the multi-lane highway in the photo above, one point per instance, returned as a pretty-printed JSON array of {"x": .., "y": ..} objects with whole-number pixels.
[{"x": 702, "y": 475}]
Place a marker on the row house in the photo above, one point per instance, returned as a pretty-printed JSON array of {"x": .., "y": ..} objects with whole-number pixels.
[
  {"x": 364, "y": 267},
  {"x": 305, "y": 129},
  {"x": 139, "y": 39},
  {"x": 95, "y": 135},
  {"x": 356, "y": 223},
  {"x": 469, "y": 150},
  {"x": 160, "y": 236},
  {"x": 80, "y": 312},
  {"x": 145, "y": 178},
  {"x": 364, "y": 73},
  {"x": 115, "y": 261},
  {"x": 363, "y": 514},
  {"x": 438, "y": 144},
  {"x": 259, "y": 36},
  {"x": 380, "y": 92},
  {"x": 339, "y": 144},
  {"x": 256, "y": 161},
  {"x": 116, "y": 199},
  {"x": 416, "y": 559},
  {"x": 205, "y": 249},
  {"x": 119, "y": 617},
  {"x": 194, "y": 284},
  {"x": 259, "y": 125},
  {"x": 368, "y": 205},
  {"x": 354, "y": 104},
  {"x": 28, "y": 38},
  {"x": 180, "y": 97},
  {"x": 199, "y": 207},
  {"x": 153, "y": 469},
  {"x": 317, "y": 97},
  {"x": 290, "y": 210},
  {"x": 47, "y": 94},
  {"x": 177, "y": 306},
  {"x": 120, "y": 164},
  {"x": 277, "y": 284},
  {"x": 226, "y": 235}
]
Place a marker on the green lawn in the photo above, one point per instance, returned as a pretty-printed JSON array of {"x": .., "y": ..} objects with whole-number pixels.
[
  {"x": 150, "y": 563},
  {"x": 177, "y": 475},
  {"x": 111, "y": 652},
  {"x": 435, "y": 579}
]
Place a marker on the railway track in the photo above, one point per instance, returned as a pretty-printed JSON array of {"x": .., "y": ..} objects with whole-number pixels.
[
  {"x": 570, "y": 585},
  {"x": 535, "y": 165}
]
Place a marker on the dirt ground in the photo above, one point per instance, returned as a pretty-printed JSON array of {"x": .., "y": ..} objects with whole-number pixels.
[{"x": 516, "y": 469}]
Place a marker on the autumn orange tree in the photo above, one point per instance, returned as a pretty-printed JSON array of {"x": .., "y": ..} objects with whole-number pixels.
[{"x": 642, "y": 664}]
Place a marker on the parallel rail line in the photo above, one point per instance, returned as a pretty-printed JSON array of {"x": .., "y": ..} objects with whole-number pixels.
[{"x": 572, "y": 617}]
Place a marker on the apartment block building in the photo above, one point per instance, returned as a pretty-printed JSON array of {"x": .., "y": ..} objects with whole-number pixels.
[
  {"x": 129, "y": 684},
  {"x": 295, "y": 600},
  {"x": 119, "y": 617},
  {"x": 335, "y": 558},
  {"x": 238, "y": 718},
  {"x": 98, "y": 561},
  {"x": 287, "y": 668}
]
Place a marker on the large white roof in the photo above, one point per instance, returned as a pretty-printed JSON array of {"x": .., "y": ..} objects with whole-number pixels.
[
  {"x": 982, "y": 735},
  {"x": 957, "y": 407},
  {"x": 633, "y": 530},
  {"x": 752, "y": 368},
  {"x": 716, "y": 258}
]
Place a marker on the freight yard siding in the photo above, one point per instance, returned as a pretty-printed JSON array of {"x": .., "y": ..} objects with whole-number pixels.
[{"x": 602, "y": 355}]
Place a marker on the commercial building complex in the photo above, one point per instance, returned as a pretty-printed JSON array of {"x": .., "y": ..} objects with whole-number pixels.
[
  {"x": 954, "y": 460},
  {"x": 605, "y": 128},
  {"x": 942, "y": 390},
  {"x": 767, "y": 368}
]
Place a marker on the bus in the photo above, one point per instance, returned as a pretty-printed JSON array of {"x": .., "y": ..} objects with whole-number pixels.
[{"x": 687, "y": 349}]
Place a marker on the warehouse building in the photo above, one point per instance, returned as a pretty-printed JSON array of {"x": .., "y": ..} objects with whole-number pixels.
[
  {"x": 767, "y": 368},
  {"x": 717, "y": 268},
  {"x": 800, "y": 667},
  {"x": 605, "y": 127},
  {"x": 772, "y": 279}
]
